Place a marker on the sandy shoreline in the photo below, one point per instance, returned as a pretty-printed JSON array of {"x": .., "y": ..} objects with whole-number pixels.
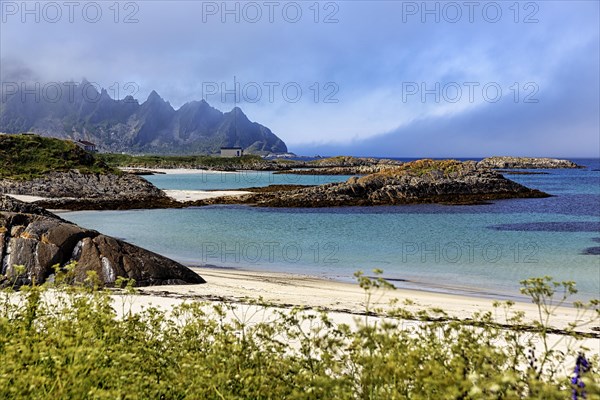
[
  {"x": 193, "y": 195},
  {"x": 177, "y": 195},
  {"x": 299, "y": 290},
  {"x": 177, "y": 171},
  {"x": 284, "y": 289},
  {"x": 25, "y": 198}
]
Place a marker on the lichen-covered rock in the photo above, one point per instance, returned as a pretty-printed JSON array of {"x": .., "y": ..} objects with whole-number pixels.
[
  {"x": 39, "y": 241},
  {"x": 525, "y": 163}
]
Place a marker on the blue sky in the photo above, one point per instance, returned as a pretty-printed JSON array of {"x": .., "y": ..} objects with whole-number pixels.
[{"x": 387, "y": 78}]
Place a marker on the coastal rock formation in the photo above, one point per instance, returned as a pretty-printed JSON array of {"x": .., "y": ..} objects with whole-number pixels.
[
  {"x": 349, "y": 161},
  {"x": 526, "y": 163},
  {"x": 7, "y": 203},
  {"x": 38, "y": 240},
  {"x": 423, "y": 181},
  {"x": 69, "y": 177},
  {"x": 351, "y": 170},
  {"x": 76, "y": 191},
  {"x": 76, "y": 184},
  {"x": 343, "y": 165}
]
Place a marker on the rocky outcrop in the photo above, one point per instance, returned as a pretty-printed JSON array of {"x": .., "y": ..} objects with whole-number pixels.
[
  {"x": 349, "y": 161},
  {"x": 77, "y": 191},
  {"x": 38, "y": 240},
  {"x": 7, "y": 203},
  {"x": 76, "y": 184},
  {"x": 423, "y": 181},
  {"x": 343, "y": 165},
  {"x": 526, "y": 163},
  {"x": 350, "y": 170}
]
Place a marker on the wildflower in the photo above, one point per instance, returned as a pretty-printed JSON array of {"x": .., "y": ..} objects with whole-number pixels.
[{"x": 582, "y": 365}]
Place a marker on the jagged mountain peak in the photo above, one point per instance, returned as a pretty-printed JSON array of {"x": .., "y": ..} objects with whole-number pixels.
[
  {"x": 153, "y": 126},
  {"x": 155, "y": 103},
  {"x": 154, "y": 96}
]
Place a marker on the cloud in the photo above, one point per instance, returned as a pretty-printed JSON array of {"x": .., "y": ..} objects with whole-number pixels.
[
  {"x": 503, "y": 128},
  {"x": 352, "y": 74}
]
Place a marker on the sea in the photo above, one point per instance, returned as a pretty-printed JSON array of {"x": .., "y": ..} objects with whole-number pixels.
[{"x": 481, "y": 250}]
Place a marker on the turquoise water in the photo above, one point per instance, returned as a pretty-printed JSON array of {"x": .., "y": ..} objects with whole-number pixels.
[
  {"x": 208, "y": 180},
  {"x": 483, "y": 249}
]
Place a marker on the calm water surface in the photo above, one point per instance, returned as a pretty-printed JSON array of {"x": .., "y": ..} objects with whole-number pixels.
[{"x": 483, "y": 249}]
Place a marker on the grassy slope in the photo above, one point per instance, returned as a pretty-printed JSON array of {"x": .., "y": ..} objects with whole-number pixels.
[{"x": 24, "y": 157}]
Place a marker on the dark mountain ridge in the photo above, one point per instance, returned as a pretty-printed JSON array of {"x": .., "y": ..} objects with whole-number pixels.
[{"x": 80, "y": 112}]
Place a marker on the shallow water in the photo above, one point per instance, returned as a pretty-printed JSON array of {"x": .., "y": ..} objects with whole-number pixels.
[
  {"x": 482, "y": 249},
  {"x": 209, "y": 180}
]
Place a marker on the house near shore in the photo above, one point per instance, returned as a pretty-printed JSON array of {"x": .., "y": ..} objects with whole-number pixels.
[
  {"x": 232, "y": 152},
  {"x": 87, "y": 146}
]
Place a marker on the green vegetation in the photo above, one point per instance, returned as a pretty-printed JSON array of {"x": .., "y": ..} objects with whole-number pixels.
[
  {"x": 154, "y": 161},
  {"x": 66, "y": 342},
  {"x": 421, "y": 168},
  {"x": 27, "y": 156},
  {"x": 338, "y": 160},
  {"x": 425, "y": 166}
]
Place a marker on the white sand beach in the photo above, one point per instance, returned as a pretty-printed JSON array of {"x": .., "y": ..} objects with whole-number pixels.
[
  {"x": 193, "y": 195},
  {"x": 175, "y": 171},
  {"x": 25, "y": 198},
  {"x": 236, "y": 285},
  {"x": 343, "y": 302},
  {"x": 177, "y": 195}
]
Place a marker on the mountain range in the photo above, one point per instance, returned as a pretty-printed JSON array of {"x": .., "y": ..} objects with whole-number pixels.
[{"x": 80, "y": 112}]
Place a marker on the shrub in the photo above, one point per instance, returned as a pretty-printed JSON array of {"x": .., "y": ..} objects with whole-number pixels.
[{"x": 61, "y": 341}]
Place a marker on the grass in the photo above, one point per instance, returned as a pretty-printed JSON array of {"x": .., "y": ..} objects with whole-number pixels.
[
  {"x": 25, "y": 156},
  {"x": 66, "y": 342},
  {"x": 424, "y": 166},
  {"x": 419, "y": 168},
  {"x": 152, "y": 161},
  {"x": 336, "y": 160}
]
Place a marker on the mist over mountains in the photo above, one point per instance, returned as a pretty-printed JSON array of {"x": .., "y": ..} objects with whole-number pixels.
[{"x": 79, "y": 112}]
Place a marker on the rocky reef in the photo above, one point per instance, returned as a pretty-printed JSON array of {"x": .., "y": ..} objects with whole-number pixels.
[
  {"x": 38, "y": 240},
  {"x": 526, "y": 163},
  {"x": 422, "y": 181}
]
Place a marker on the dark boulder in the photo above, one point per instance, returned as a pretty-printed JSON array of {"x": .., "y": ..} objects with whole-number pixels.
[{"x": 39, "y": 241}]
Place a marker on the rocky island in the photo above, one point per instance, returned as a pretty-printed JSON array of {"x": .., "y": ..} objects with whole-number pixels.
[
  {"x": 68, "y": 177},
  {"x": 342, "y": 165},
  {"x": 526, "y": 163},
  {"x": 422, "y": 181},
  {"x": 39, "y": 240}
]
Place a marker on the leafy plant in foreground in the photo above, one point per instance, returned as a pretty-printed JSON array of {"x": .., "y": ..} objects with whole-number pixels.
[{"x": 64, "y": 341}]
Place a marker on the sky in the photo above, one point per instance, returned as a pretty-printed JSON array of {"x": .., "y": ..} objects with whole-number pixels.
[{"x": 379, "y": 78}]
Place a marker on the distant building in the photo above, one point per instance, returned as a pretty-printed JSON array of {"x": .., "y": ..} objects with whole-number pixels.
[
  {"x": 232, "y": 152},
  {"x": 87, "y": 146}
]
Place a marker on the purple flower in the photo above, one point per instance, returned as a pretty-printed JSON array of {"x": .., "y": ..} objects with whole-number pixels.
[{"x": 582, "y": 365}]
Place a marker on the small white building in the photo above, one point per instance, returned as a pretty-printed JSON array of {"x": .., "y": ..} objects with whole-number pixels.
[
  {"x": 232, "y": 152},
  {"x": 87, "y": 146}
]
